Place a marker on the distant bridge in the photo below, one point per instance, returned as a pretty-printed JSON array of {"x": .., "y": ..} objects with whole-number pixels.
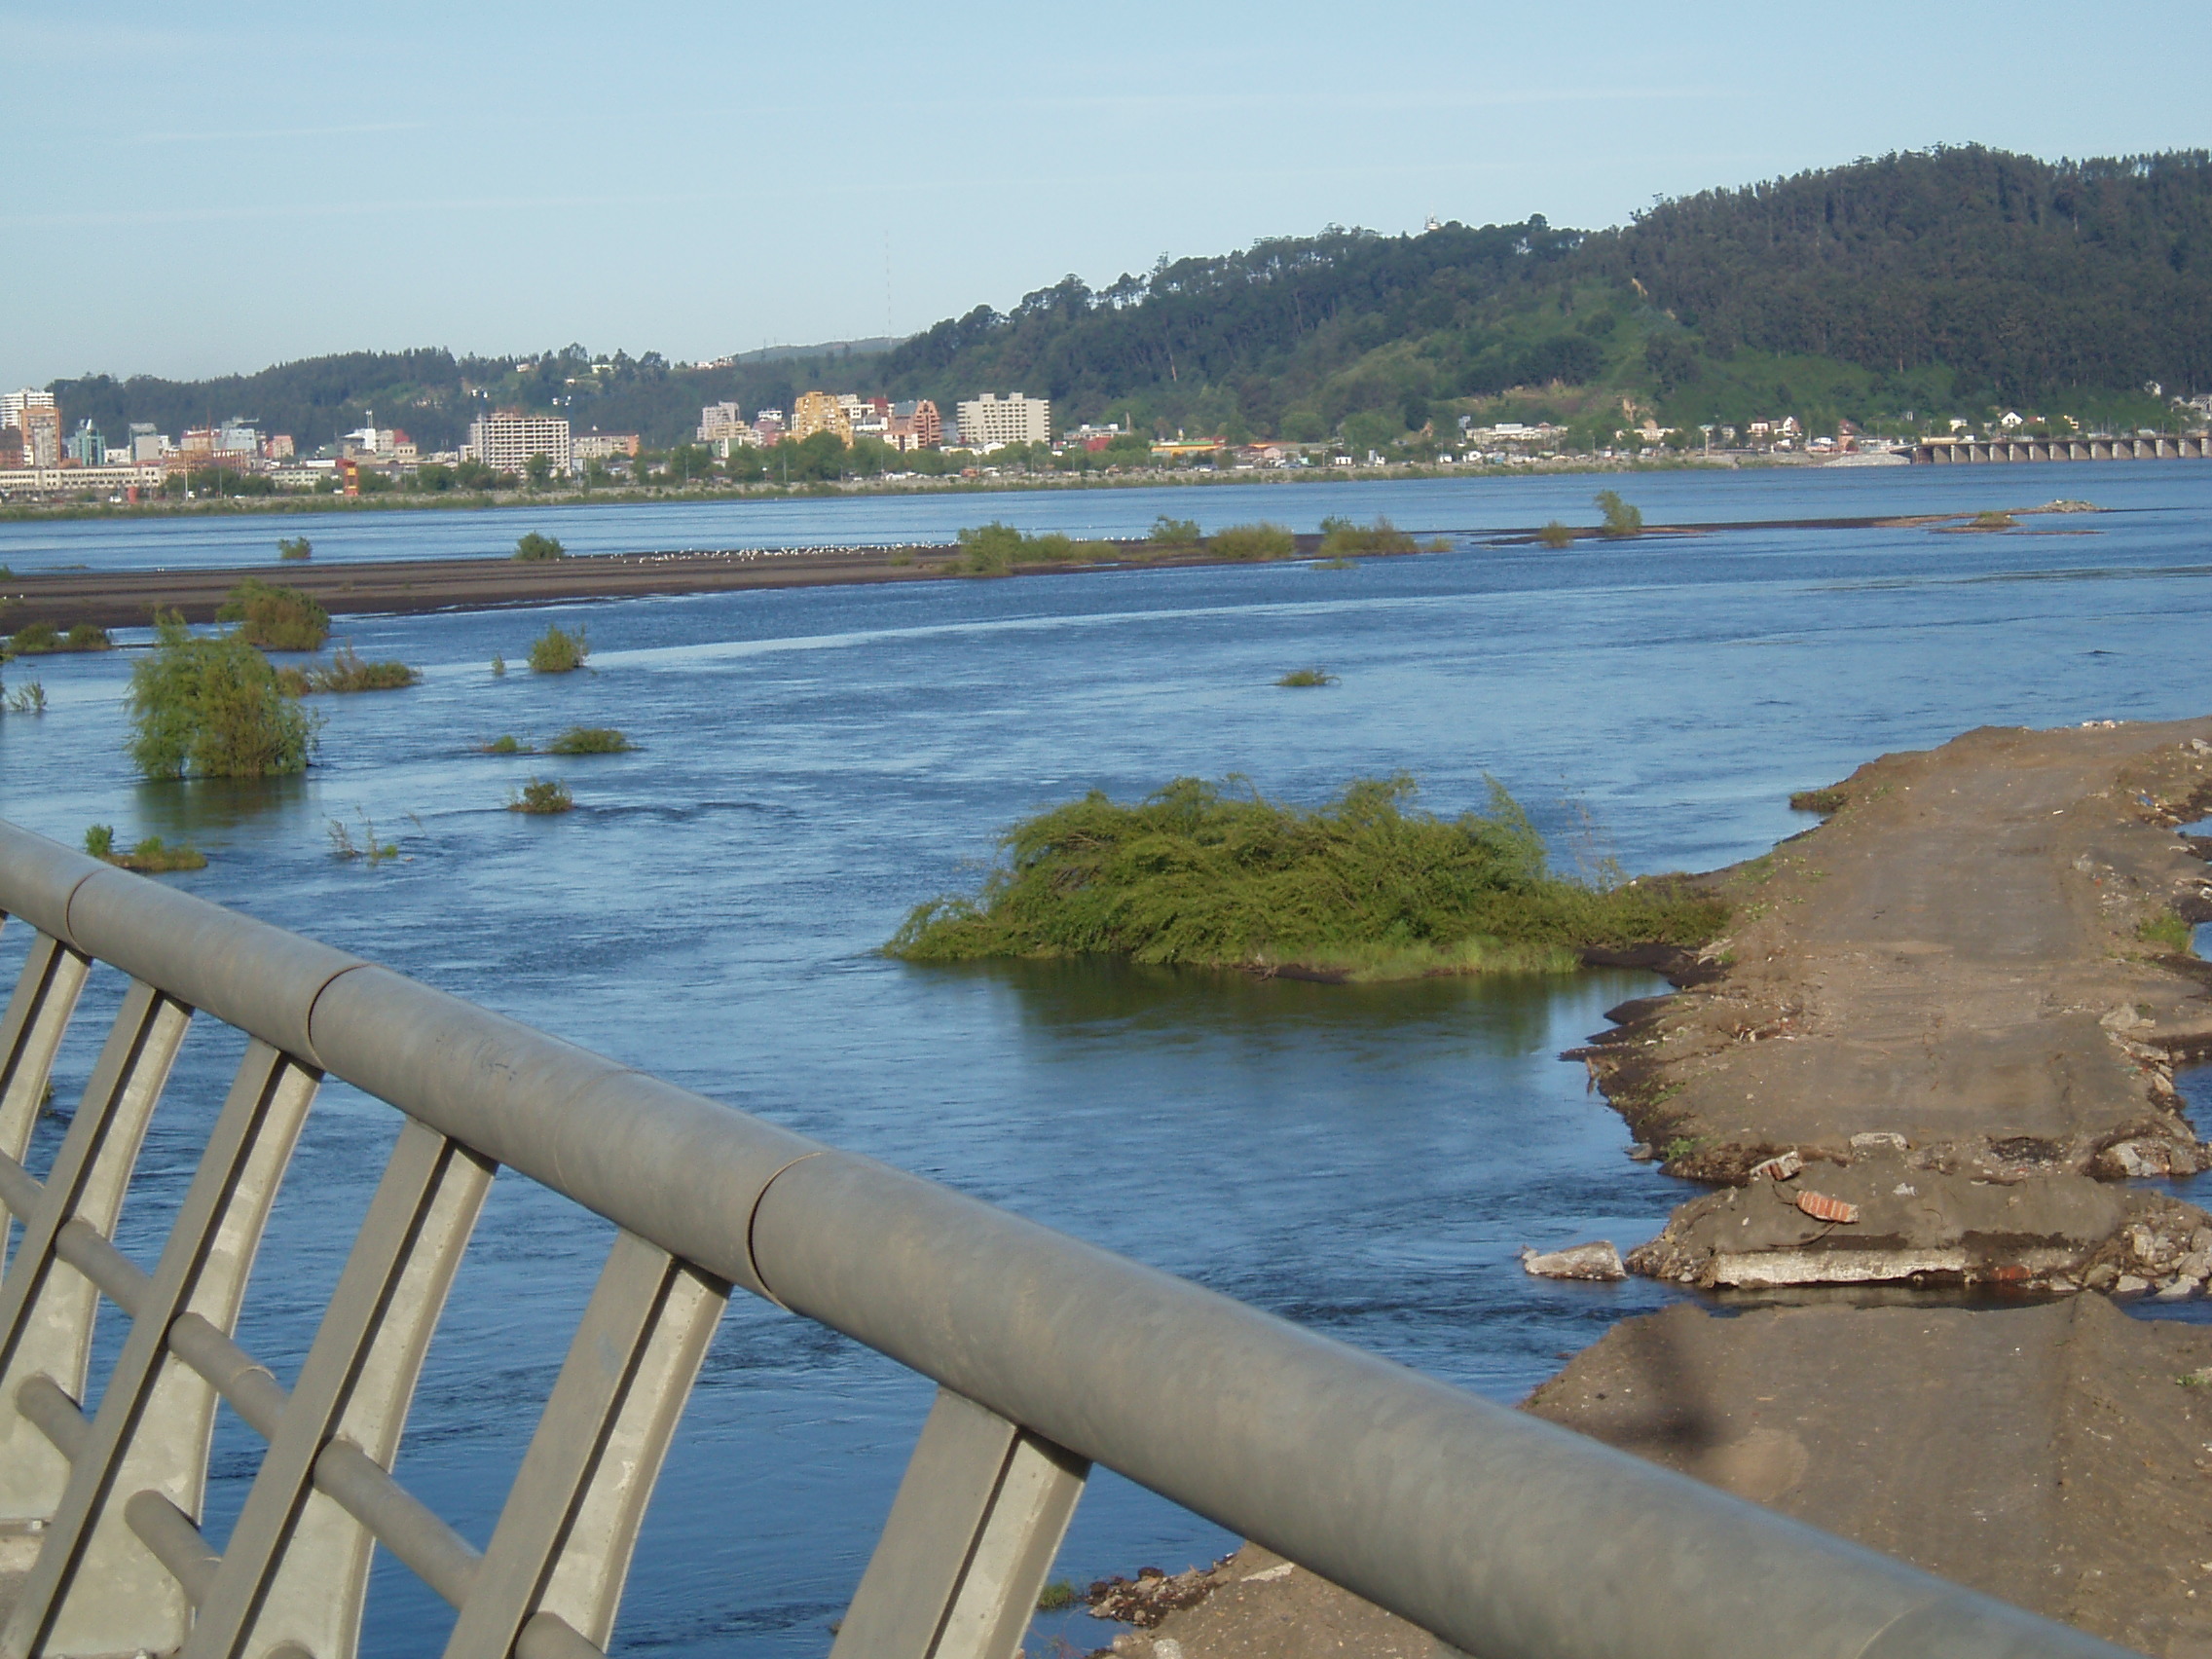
[{"x": 1961, "y": 452}]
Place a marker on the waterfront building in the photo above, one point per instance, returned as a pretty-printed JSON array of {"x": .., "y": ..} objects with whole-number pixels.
[
  {"x": 595, "y": 445},
  {"x": 505, "y": 441},
  {"x": 822, "y": 412},
  {"x": 991, "y": 419},
  {"x": 14, "y": 403},
  {"x": 41, "y": 426},
  {"x": 915, "y": 426}
]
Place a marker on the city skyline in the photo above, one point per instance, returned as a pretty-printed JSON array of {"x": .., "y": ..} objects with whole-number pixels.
[{"x": 231, "y": 192}]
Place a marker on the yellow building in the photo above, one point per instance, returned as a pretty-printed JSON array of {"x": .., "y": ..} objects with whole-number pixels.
[{"x": 821, "y": 412}]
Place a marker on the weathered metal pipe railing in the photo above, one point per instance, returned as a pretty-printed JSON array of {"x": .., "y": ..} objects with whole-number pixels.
[{"x": 1499, "y": 1534}]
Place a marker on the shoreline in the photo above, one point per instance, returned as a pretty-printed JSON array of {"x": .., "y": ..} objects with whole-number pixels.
[{"x": 125, "y": 599}]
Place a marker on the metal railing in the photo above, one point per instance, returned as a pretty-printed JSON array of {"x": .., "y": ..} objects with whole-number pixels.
[{"x": 1502, "y": 1535}]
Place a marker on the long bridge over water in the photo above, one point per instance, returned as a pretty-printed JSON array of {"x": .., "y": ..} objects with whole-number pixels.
[{"x": 1963, "y": 452}]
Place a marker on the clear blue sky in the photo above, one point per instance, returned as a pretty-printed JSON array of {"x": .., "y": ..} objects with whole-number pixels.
[{"x": 200, "y": 190}]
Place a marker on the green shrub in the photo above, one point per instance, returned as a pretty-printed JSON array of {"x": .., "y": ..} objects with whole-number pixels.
[
  {"x": 1175, "y": 532},
  {"x": 992, "y": 549},
  {"x": 533, "y": 546},
  {"x": 275, "y": 618},
  {"x": 100, "y": 840},
  {"x": 1828, "y": 800},
  {"x": 369, "y": 850},
  {"x": 28, "y": 698},
  {"x": 509, "y": 744},
  {"x": 151, "y": 858},
  {"x": 1360, "y": 886},
  {"x": 87, "y": 637},
  {"x": 1307, "y": 677},
  {"x": 44, "y": 639},
  {"x": 1341, "y": 536},
  {"x": 211, "y": 707},
  {"x": 541, "y": 795},
  {"x": 589, "y": 740},
  {"x": 498, "y": 666},
  {"x": 347, "y": 670},
  {"x": 1621, "y": 519},
  {"x": 1556, "y": 535},
  {"x": 294, "y": 547},
  {"x": 1058, "y": 1596},
  {"x": 559, "y": 652},
  {"x": 1252, "y": 541}
]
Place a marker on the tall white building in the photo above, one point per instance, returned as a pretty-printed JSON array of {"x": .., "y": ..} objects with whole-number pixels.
[
  {"x": 14, "y": 403},
  {"x": 992, "y": 420},
  {"x": 505, "y": 442}
]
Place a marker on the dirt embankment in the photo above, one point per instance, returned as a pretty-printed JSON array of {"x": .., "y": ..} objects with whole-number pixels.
[{"x": 1950, "y": 1014}]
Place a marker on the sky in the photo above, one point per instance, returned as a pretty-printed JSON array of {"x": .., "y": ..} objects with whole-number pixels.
[{"x": 198, "y": 191}]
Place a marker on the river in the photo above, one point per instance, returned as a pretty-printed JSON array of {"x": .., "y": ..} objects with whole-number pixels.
[{"x": 811, "y": 762}]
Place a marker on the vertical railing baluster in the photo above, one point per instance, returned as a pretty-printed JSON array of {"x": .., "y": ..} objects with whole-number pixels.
[
  {"x": 563, "y": 1543},
  {"x": 972, "y": 1531},
  {"x": 297, "y": 1565},
  {"x": 38, "y": 1014},
  {"x": 95, "y": 1587},
  {"x": 46, "y": 1306}
]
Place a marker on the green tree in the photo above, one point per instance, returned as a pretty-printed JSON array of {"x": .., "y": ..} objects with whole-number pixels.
[
  {"x": 275, "y": 618},
  {"x": 211, "y": 707},
  {"x": 539, "y": 469},
  {"x": 531, "y": 547},
  {"x": 1621, "y": 519}
]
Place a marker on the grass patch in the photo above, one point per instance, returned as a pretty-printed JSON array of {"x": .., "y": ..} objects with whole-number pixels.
[
  {"x": 150, "y": 857},
  {"x": 1339, "y": 537},
  {"x": 2167, "y": 930},
  {"x": 212, "y": 708},
  {"x": 508, "y": 744},
  {"x": 44, "y": 639},
  {"x": 275, "y": 618},
  {"x": 1556, "y": 534},
  {"x": 498, "y": 666},
  {"x": 1252, "y": 541},
  {"x": 28, "y": 698},
  {"x": 1832, "y": 799},
  {"x": 349, "y": 670},
  {"x": 1335, "y": 565},
  {"x": 1360, "y": 888},
  {"x": 1058, "y": 1596},
  {"x": 541, "y": 795},
  {"x": 1299, "y": 677},
  {"x": 590, "y": 740},
  {"x": 559, "y": 652},
  {"x": 293, "y": 547},
  {"x": 368, "y": 849},
  {"x": 532, "y": 547}
]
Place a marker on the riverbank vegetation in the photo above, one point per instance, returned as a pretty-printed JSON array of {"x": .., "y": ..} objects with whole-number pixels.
[
  {"x": 1303, "y": 677},
  {"x": 541, "y": 795},
  {"x": 294, "y": 547},
  {"x": 44, "y": 639},
  {"x": 1361, "y": 887},
  {"x": 211, "y": 707},
  {"x": 590, "y": 740},
  {"x": 347, "y": 670},
  {"x": 275, "y": 618},
  {"x": 531, "y": 548}
]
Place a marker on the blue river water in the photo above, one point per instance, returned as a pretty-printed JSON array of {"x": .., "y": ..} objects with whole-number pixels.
[{"x": 811, "y": 762}]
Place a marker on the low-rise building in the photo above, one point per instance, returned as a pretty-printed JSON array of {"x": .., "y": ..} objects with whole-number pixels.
[
  {"x": 768, "y": 425},
  {"x": 595, "y": 445},
  {"x": 505, "y": 441},
  {"x": 993, "y": 420},
  {"x": 915, "y": 426}
]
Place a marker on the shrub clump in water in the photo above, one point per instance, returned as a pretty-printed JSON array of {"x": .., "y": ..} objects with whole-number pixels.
[
  {"x": 1341, "y": 537},
  {"x": 1359, "y": 888},
  {"x": 1556, "y": 535},
  {"x": 275, "y": 618},
  {"x": 590, "y": 740},
  {"x": 349, "y": 670},
  {"x": 44, "y": 639},
  {"x": 211, "y": 707},
  {"x": 541, "y": 795},
  {"x": 1252, "y": 541},
  {"x": 533, "y": 546},
  {"x": 559, "y": 652},
  {"x": 1301, "y": 676},
  {"x": 294, "y": 547},
  {"x": 149, "y": 857}
]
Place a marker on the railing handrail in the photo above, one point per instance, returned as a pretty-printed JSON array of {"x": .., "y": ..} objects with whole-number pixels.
[{"x": 1503, "y": 1535}]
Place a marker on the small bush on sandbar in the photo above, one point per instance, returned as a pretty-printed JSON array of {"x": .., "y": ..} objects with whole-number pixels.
[
  {"x": 533, "y": 546},
  {"x": 1203, "y": 874},
  {"x": 275, "y": 618},
  {"x": 1556, "y": 534},
  {"x": 541, "y": 794},
  {"x": 1252, "y": 541},
  {"x": 1307, "y": 677},
  {"x": 1341, "y": 536},
  {"x": 1621, "y": 519},
  {"x": 347, "y": 670},
  {"x": 559, "y": 652},
  {"x": 211, "y": 707},
  {"x": 44, "y": 639},
  {"x": 294, "y": 547},
  {"x": 1175, "y": 532},
  {"x": 590, "y": 740}
]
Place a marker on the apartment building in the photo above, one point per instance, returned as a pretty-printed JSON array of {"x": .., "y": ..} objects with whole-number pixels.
[
  {"x": 822, "y": 412},
  {"x": 504, "y": 442},
  {"x": 595, "y": 445},
  {"x": 992, "y": 420},
  {"x": 915, "y": 426}
]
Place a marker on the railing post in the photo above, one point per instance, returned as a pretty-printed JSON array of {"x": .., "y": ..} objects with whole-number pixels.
[
  {"x": 46, "y": 1306},
  {"x": 95, "y": 1588},
  {"x": 563, "y": 1540},
  {"x": 297, "y": 1564},
  {"x": 38, "y": 1014},
  {"x": 972, "y": 1531}
]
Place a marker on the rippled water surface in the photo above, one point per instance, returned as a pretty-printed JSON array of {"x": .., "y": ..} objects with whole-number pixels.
[{"x": 811, "y": 762}]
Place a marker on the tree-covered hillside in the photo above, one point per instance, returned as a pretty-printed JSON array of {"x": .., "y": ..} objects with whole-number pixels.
[{"x": 1937, "y": 284}]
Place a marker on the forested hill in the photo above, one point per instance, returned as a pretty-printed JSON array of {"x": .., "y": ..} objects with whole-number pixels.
[{"x": 1943, "y": 282}]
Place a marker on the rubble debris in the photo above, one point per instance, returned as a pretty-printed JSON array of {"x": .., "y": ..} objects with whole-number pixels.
[
  {"x": 1782, "y": 1166},
  {"x": 1820, "y": 1208},
  {"x": 1152, "y": 1594},
  {"x": 1599, "y": 1262}
]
